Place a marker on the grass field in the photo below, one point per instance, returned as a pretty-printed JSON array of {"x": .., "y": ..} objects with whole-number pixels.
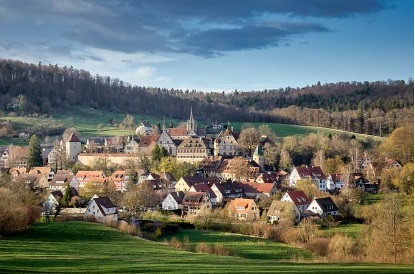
[{"x": 77, "y": 247}]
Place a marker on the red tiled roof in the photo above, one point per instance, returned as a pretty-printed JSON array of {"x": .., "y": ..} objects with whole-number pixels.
[{"x": 298, "y": 197}]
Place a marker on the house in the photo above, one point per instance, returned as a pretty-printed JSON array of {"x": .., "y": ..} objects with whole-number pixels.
[
  {"x": 299, "y": 198},
  {"x": 314, "y": 173},
  {"x": 267, "y": 178},
  {"x": 101, "y": 209},
  {"x": 210, "y": 165},
  {"x": 195, "y": 202},
  {"x": 61, "y": 180},
  {"x": 132, "y": 146},
  {"x": 86, "y": 176},
  {"x": 17, "y": 171},
  {"x": 193, "y": 150},
  {"x": 226, "y": 144},
  {"x": 17, "y": 156},
  {"x": 121, "y": 178},
  {"x": 283, "y": 211},
  {"x": 250, "y": 192},
  {"x": 268, "y": 189},
  {"x": 323, "y": 207},
  {"x": 95, "y": 145},
  {"x": 168, "y": 180},
  {"x": 36, "y": 180},
  {"x": 227, "y": 190},
  {"x": 335, "y": 181},
  {"x": 47, "y": 171},
  {"x": 114, "y": 144},
  {"x": 204, "y": 188},
  {"x": 244, "y": 209},
  {"x": 186, "y": 182},
  {"x": 173, "y": 201},
  {"x": 146, "y": 142},
  {"x": 54, "y": 199}
]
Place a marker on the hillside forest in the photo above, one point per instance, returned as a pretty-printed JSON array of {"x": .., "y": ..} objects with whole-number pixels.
[{"x": 375, "y": 108}]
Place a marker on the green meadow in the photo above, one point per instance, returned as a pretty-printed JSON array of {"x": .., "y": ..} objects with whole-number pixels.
[
  {"x": 79, "y": 247},
  {"x": 97, "y": 123}
]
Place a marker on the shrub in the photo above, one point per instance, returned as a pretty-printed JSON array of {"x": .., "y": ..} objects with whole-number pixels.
[
  {"x": 319, "y": 246},
  {"x": 203, "y": 248}
]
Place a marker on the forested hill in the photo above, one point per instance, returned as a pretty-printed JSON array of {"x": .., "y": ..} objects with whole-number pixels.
[{"x": 373, "y": 108}]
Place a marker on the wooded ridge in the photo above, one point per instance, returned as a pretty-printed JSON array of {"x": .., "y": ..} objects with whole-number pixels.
[{"x": 370, "y": 107}]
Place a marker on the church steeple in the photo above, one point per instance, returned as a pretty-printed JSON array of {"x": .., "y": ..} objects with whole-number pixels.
[{"x": 191, "y": 124}]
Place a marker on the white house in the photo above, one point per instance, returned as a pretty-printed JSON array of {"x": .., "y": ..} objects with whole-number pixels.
[
  {"x": 314, "y": 173},
  {"x": 298, "y": 197},
  {"x": 102, "y": 209},
  {"x": 323, "y": 207},
  {"x": 173, "y": 201},
  {"x": 52, "y": 201}
]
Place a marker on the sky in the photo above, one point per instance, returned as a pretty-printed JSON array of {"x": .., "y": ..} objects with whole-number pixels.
[{"x": 215, "y": 45}]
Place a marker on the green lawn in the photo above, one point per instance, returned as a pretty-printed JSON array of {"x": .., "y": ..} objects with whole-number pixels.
[
  {"x": 351, "y": 230},
  {"x": 79, "y": 247}
]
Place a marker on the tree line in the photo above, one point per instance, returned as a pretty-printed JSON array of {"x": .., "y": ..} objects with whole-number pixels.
[{"x": 365, "y": 107}]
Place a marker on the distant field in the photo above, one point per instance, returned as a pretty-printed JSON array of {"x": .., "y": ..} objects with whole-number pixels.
[
  {"x": 78, "y": 247},
  {"x": 95, "y": 123}
]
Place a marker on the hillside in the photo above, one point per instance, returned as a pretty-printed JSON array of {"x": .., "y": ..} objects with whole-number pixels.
[
  {"x": 372, "y": 108},
  {"x": 78, "y": 247}
]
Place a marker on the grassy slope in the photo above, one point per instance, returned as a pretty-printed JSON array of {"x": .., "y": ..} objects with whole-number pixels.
[
  {"x": 86, "y": 247},
  {"x": 86, "y": 121}
]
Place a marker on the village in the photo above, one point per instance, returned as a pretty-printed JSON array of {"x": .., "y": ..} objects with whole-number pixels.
[{"x": 225, "y": 175}]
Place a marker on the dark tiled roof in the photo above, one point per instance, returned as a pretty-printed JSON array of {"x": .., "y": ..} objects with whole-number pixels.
[
  {"x": 73, "y": 138},
  {"x": 326, "y": 204}
]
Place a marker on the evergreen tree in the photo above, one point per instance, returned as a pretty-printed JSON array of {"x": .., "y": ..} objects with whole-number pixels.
[
  {"x": 67, "y": 196},
  {"x": 156, "y": 153},
  {"x": 34, "y": 157}
]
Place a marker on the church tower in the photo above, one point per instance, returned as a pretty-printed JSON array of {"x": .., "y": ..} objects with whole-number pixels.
[
  {"x": 191, "y": 125},
  {"x": 258, "y": 157}
]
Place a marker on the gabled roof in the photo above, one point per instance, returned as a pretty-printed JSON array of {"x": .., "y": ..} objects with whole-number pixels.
[
  {"x": 247, "y": 188},
  {"x": 280, "y": 207},
  {"x": 205, "y": 188},
  {"x": 167, "y": 176},
  {"x": 103, "y": 202},
  {"x": 298, "y": 197},
  {"x": 194, "y": 198},
  {"x": 178, "y": 196},
  {"x": 195, "y": 179},
  {"x": 211, "y": 163},
  {"x": 326, "y": 204},
  {"x": 241, "y": 204},
  {"x": 147, "y": 140},
  {"x": 313, "y": 172},
  {"x": 146, "y": 124},
  {"x": 89, "y": 174},
  {"x": 266, "y": 178},
  {"x": 57, "y": 194},
  {"x": 265, "y": 188},
  {"x": 229, "y": 187},
  {"x": 177, "y": 131},
  {"x": 194, "y": 143},
  {"x": 73, "y": 138},
  {"x": 40, "y": 170},
  {"x": 58, "y": 178}
]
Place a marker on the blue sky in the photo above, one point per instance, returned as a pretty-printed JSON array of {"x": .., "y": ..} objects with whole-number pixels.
[{"x": 215, "y": 45}]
